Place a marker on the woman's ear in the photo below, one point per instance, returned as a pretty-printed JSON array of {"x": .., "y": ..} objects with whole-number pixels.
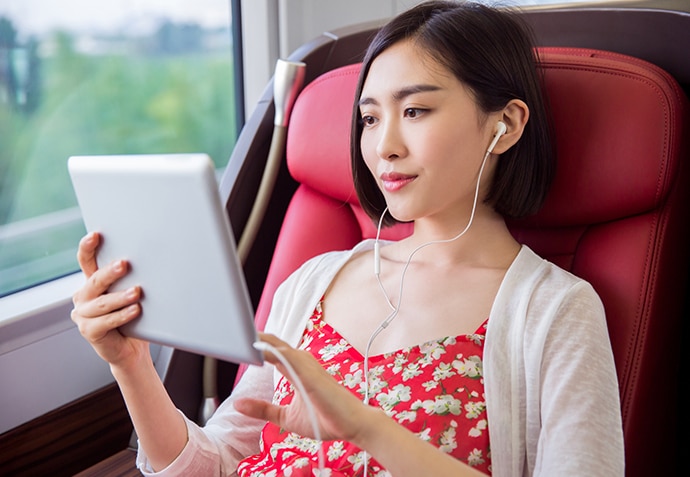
[{"x": 514, "y": 116}]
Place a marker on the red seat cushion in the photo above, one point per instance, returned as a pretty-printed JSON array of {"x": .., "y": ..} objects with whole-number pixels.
[{"x": 616, "y": 214}]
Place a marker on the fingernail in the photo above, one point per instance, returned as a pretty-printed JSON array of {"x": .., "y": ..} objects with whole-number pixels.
[
  {"x": 118, "y": 266},
  {"x": 131, "y": 292}
]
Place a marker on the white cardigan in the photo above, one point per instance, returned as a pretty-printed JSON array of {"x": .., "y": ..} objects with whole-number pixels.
[{"x": 550, "y": 381}]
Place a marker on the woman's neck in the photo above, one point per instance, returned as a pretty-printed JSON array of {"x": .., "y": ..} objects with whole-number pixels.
[{"x": 487, "y": 241}]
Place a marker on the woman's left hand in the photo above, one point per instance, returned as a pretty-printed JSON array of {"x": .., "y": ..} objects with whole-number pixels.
[
  {"x": 339, "y": 413},
  {"x": 341, "y": 416}
]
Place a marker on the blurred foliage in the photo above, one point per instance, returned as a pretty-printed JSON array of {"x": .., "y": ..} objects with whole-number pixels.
[
  {"x": 151, "y": 99},
  {"x": 111, "y": 104}
]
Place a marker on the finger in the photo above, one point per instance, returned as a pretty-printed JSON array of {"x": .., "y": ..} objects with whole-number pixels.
[
  {"x": 101, "y": 280},
  {"x": 271, "y": 339},
  {"x": 95, "y": 329},
  {"x": 86, "y": 254},
  {"x": 283, "y": 350},
  {"x": 108, "y": 302},
  {"x": 258, "y": 409},
  {"x": 276, "y": 343},
  {"x": 303, "y": 364}
]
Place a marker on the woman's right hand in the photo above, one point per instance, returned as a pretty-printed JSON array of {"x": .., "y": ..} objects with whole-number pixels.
[{"x": 98, "y": 313}]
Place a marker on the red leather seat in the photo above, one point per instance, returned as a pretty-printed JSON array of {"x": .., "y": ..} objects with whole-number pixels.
[{"x": 616, "y": 215}]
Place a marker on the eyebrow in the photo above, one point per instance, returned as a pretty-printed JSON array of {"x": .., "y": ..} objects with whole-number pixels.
[{"x": 403, "y": 93}]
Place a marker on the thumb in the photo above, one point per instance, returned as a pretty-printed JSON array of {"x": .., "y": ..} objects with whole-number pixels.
[{"x": 258, "y": 409}]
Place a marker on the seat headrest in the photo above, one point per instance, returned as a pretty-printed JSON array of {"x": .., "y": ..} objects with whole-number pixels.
[
  {"x": 614, "y": 123},
  {"x": 318, "y": 143},
  {"x": 615, "y": 120}
]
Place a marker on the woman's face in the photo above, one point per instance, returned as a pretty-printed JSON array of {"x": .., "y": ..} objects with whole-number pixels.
[{"x": 423, "y": 136}]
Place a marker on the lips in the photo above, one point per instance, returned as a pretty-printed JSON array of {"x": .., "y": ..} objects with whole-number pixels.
[{"x": 393, "y": 181}]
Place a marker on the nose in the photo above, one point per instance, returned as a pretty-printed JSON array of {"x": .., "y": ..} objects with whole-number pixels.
[{"x": 390, "y": 144}]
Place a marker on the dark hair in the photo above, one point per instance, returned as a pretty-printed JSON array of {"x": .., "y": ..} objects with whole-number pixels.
[{"x": 491, "y": 52}]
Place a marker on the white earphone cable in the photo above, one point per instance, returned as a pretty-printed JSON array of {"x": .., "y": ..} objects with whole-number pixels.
[
  {"x": 377, "y": 270},
  {"x": 390, "y": 317},
  {"x": 294, "y": 378},
  {"x": 377, "y": 261}
]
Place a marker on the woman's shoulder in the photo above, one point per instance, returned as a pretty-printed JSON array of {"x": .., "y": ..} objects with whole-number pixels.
[
  {"x": 300, "y": 292},
  {"x": 318, "y": 271},
  {"x": 537, "y": 294},
  {"x": 544, "y": 283},
  {"x": 332, "y": 260},
  {"x": 529, "y": 265}
]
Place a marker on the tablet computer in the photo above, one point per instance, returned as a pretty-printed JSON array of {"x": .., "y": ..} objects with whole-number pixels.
[{"x": 163, "y": 214}]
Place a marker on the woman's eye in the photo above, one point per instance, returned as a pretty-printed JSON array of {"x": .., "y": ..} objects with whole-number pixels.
[
  {"x": 368, "y": 120},
  {"x": 413, "y": 113}
]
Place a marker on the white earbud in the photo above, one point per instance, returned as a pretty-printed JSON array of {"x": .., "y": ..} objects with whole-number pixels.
[{"x": 500, "y": 131}]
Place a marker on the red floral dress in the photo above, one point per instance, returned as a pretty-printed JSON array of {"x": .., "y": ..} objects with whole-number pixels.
[{"x": 434, "y": 389}]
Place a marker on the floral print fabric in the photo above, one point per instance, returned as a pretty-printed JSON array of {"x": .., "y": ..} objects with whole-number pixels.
[{"x": 435, "y": 389}]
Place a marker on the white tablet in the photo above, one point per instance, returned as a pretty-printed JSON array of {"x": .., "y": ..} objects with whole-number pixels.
[{"x": 163, "y": 214}]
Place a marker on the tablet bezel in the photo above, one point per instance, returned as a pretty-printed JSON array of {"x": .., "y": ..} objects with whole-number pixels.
[{"x": 163, "y": 213}]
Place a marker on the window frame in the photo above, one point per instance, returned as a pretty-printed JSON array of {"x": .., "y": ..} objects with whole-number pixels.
[{"x": 39, "y": 315}]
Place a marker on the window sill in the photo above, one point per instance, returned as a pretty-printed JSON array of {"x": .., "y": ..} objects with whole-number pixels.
[
  {"x": 37, "y": 313},
  {"x": 42, "y": 355}
]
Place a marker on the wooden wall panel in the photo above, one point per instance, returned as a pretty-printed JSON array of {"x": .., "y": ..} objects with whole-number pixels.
[{"x": 69, "y": 439}]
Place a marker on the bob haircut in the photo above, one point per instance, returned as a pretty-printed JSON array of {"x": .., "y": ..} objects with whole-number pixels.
[{"x": 491, "y": 52}]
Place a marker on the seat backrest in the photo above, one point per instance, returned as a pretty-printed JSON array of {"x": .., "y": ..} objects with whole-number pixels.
[{"x": 616, "y": 215}]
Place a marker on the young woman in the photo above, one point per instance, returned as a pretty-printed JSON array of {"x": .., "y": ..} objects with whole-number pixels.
[{"x": 467, "y": 354}]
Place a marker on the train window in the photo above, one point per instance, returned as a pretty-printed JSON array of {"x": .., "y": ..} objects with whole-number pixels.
[{"x": 83, "y": 77}]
